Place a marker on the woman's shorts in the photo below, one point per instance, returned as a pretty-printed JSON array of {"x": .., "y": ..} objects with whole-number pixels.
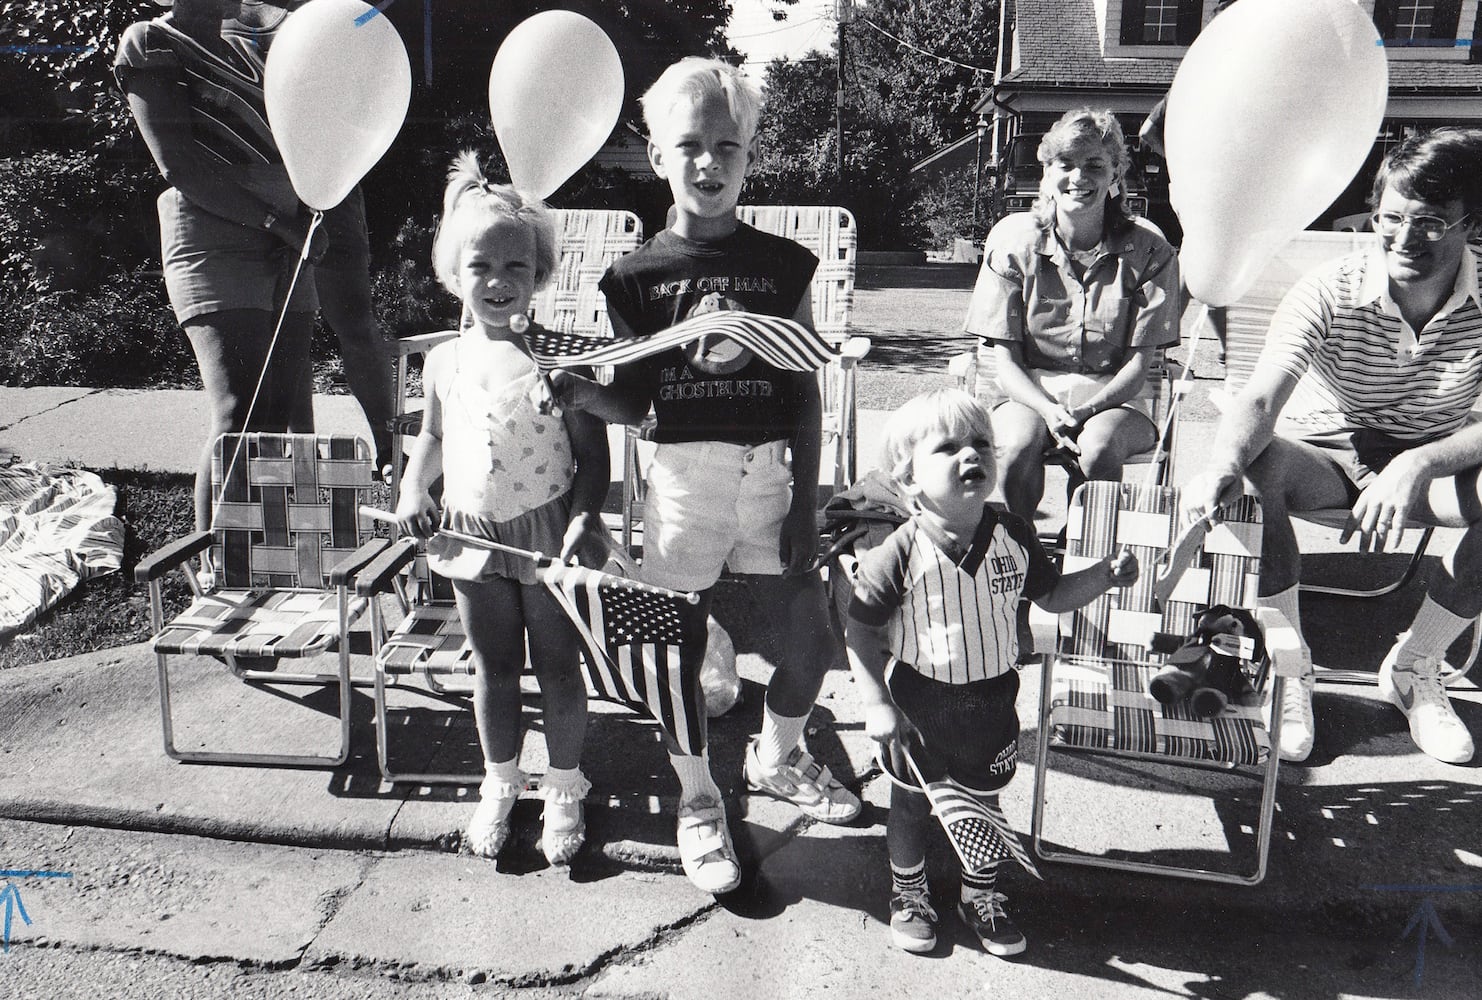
[
  {"x": 713, "y": 505},
  {"x": 968, "y": 731},
  {"x": 212, "y": 264},
  {"x": 540, "y": 530}
]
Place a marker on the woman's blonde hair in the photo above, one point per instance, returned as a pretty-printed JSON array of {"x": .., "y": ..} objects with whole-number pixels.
[
  {"x": 1096, "y": 125},
  {"x": 950, "y": 411},
  {"x": 471, "y": 204}
]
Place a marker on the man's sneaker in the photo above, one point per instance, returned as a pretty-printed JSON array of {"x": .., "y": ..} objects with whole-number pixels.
[
  {"x": 705, "y": 847},
  {"x": 805, "y": 783},
  {"x": 913, "y": 923},
  {"x": 984, "y": 915},
  {"x": 1417, "y": 690},
  {"x": 1298, "y": 725}
]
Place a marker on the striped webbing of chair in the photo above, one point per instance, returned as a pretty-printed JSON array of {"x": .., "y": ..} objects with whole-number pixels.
[
  {"x": 829, "y": 232},
  {"x": 290, "y": 511},
  {"x": 587, "y": 241},
  {"x": 1099, "y": 697},
  {"x": 258, "y": 623},
  {"x": 430, "y": 639}
]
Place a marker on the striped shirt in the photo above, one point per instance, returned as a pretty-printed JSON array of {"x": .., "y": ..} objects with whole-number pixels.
[
  {"x": 1358, "y": 364},
  {"x": 228, "y": 118},
  {"x": 950, "y": 613}
]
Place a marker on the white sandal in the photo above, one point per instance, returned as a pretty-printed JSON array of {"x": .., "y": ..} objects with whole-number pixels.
[
  {"x": 489, "y": 828},
  {"x": 565, "y": 827}
]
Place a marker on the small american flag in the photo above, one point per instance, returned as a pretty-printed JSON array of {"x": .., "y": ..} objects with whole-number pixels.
[
  {"x": 782, "y": 343},
  {"x": 978, "y": 829},
  {"x": 633, "y": 634}
]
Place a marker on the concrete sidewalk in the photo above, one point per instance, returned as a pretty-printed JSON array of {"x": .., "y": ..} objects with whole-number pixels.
[{"x": 361, "y": 872}]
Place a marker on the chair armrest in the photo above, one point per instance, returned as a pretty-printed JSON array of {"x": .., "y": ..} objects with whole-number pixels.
[
  {"x": 963, "y": 369},
  {"x": 171, "y": 554},
  {"x": 423, "y": 342},
  {"x": 343, "y": 571},
  {"x": 853, "y": 351},
  {"x": 375, "y": 576}
]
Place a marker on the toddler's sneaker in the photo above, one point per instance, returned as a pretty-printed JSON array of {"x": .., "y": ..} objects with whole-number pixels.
[
  {"x": 913, "y": 923},
  {"x": 1417, "y": 690},
  {"x": 489, "y": 828},
  {"x": 984, "y": 915},
  {"x": 705, "y": 847},
  {"x": 565, "y": 827},
  {"x": 805, "y": 783},
  {"x": 1298, "y": 724}
]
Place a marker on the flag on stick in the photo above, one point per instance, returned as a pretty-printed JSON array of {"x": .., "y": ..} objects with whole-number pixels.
[
  {"x": 633, "y": 634},
  {"x": 979, "y": 831},
  {"x": 782, "y": 343}
]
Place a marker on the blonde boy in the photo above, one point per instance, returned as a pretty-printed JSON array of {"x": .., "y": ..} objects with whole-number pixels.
[
  {"x": 932, "y": 643},
  {"x": 734, "y": 434}
]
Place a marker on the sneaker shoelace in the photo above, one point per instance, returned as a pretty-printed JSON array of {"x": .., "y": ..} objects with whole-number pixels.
[
  {"x": 1427, "y": 686},
  {"x": 1296, "y": 703},
  {"x": 916, "y": 902},
  {"x": 990, "y": 907}
]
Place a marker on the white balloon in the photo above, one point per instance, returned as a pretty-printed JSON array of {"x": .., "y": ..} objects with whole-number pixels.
[
  {"x": 337, "y": 85},
  {"x": 555, "y": 91},
  {"x": 1272, "y": 112}
]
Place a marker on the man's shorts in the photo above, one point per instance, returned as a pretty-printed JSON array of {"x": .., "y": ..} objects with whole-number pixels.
[
  {"x": 969, "y": 731},
  {"x": 349, "y": 242},
  {"x": 713, "y": 505},
  {"x": 1359, "y": 454}
]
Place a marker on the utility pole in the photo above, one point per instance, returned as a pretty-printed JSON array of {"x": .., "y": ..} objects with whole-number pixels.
[{"x": 843, "y": 14}]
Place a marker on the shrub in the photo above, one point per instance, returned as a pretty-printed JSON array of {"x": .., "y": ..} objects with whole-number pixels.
[{"x": 122, "y": 333}]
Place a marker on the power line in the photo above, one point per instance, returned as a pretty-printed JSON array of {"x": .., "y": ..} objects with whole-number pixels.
[
  {"x": 775, "y": 31},
  {"x": 918, "y": 49}
]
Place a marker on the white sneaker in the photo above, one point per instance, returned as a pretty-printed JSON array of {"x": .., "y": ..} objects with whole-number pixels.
[
  {"x": 1298, "y": 725},
  {"x": 705, "y": 847},
  {"x": 1417, "y": 690},
  {"x": 805, "y": 783}
]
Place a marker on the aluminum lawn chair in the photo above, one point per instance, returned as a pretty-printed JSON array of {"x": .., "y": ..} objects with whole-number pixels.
[
  {"x": 286, "y": 540},
  {"x": 1094, "y": 698}
]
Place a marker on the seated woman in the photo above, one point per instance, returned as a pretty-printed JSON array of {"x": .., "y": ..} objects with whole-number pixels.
[{"x": 1074, "y": 297}]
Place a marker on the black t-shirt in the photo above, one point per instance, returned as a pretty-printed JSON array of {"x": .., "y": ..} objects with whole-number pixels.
[{"x": 742, "y": 399}]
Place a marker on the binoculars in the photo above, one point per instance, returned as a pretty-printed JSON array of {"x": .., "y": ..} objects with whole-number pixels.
[{"x": 1208, "y": 668}]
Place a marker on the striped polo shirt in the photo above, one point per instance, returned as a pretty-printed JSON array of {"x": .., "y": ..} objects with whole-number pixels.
[
  {"x": 1358, "y": 364},
  {"x": 949, "y": 612},
  {"x": 223, "y": 90}
]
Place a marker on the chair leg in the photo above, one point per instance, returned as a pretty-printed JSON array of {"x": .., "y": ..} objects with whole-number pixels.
[
  {"x": 1404, "y": 578},
  {"x": 383, "y": 751},
  {"x": 1263, "y": 830}
]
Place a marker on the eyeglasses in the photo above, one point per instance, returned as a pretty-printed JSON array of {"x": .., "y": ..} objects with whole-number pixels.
[{"x": 1429, "y": 227}]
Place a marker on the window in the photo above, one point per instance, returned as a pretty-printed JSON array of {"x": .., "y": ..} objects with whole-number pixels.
[
  {"x": 1418, "y": 22},
  {"x": 1161, "y": 22}
]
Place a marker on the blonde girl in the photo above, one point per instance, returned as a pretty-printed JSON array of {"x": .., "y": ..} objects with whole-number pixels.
[{"x": 513, "y": 472}]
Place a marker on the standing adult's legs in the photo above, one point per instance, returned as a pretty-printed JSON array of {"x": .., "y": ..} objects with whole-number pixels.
[{"x": 231, "y": 349}]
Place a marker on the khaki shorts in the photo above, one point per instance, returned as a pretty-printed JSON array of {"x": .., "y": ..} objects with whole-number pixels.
[{"x": 714, "y": 505}]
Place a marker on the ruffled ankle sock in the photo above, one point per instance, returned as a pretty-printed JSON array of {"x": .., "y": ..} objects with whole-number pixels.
[
  {"x": 565, "y": 828},
  {"x": 500, "y": 790}
]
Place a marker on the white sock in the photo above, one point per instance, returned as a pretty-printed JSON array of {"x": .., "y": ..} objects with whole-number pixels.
[
  {"x": 694, "y": 775},
  {"x": 779, "y": 735},
  {"x": 506, "y": 771},
  {"x": 1433, "y": 631},
  {"x": 1287, "y": 603}
]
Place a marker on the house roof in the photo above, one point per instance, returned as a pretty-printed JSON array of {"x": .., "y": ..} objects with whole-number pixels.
[{"x": 1059, "y": 46}]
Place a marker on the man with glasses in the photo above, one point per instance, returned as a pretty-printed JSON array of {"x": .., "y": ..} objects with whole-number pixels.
[{"x": 1361, "y": 399}]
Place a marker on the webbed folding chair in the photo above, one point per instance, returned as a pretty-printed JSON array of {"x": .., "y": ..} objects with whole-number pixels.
[
  {"x": 1094, "y": 698},
  {"x": 1247, "y": 321},
  {"x": 286, "y": 539},
  {"x": 429, "y": 642},
  {"x": 587, "y": 241},
  {"x": 830, "y": 233}
]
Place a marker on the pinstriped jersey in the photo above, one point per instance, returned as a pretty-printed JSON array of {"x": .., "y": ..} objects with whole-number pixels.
[
  {"x": 949, "y": 611},
  {"x": 1359, "y": 365},
  {"x": 228, "y": 117}
]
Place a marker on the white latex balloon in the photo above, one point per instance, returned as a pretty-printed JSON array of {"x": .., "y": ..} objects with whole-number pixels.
[
  {"x": 555, "y": 91},
  {"x": 337, "y": 86},
  {"x": 1272, "y": 112}
]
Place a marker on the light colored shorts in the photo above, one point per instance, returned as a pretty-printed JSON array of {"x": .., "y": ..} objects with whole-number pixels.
[
  {"x": 212, "y": 264},
  {"x": 1070, "y": 389},
  {"x": 713, "y": 505}
]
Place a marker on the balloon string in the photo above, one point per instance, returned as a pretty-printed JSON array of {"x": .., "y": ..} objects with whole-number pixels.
[
  {"x": 262, "y": 375},
  {"x": 1179, "y": 388}
]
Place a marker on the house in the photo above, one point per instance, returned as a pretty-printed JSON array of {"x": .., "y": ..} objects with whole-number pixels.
[{"x": 1122, "y": 55}]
